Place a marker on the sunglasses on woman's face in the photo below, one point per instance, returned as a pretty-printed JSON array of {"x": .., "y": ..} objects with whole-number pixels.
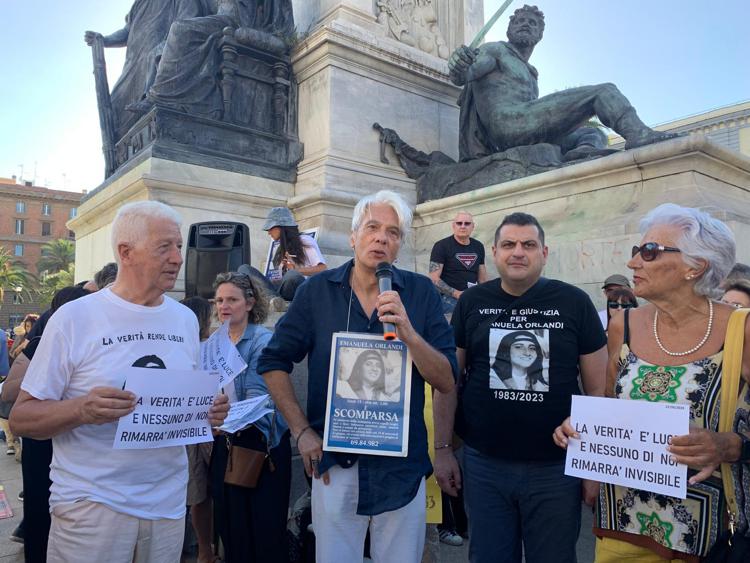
[
  {"x": 650, "y": 250},
  {"x": 616, "y": 305}
]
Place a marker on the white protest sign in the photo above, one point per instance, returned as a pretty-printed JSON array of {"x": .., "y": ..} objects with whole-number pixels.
[
  {"x": 625, "y": 443},
  {"x": 172, "y": 408},
  {"x": 219, "y": 354},
  {"x": 244, "y": 413}
]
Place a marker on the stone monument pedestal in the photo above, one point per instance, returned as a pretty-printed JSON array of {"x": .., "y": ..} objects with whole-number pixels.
[
  {"x": 198, "y": 193},
  {"x": 591, "y": 211}
]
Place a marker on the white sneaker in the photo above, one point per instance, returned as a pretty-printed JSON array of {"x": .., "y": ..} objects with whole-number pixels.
[{"x": 449, "y": 537}]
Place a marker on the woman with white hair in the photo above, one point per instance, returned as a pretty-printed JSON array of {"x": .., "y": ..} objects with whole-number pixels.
[{"x": 671, "y": 350}]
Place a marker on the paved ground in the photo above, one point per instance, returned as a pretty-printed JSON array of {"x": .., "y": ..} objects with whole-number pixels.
[
  {"x": 10, "y": 478},
  {"x": 10, "y": 552}
]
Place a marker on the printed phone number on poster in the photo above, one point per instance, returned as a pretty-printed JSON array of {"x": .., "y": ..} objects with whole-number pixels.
[
  {"x": 527, "y": 396},
  {"x": 370, "y": 443}
]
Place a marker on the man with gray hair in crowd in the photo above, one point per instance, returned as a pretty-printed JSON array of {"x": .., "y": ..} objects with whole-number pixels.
[
  {"x": 111, "y": 504},
  {"x": 351, "y": 493}
]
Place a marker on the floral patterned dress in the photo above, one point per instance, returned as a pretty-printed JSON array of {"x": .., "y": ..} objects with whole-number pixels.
[{"x": 672, "y": 527}]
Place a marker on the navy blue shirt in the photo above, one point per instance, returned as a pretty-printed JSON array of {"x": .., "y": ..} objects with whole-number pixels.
[{"x": 321, "y": 307}]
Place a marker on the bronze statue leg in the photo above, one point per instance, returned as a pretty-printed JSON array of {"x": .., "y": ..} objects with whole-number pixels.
[{"x": 556, "y": 115}]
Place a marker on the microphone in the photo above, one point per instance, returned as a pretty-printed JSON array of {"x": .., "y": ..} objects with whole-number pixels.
[{"x": 384, "y": 273}]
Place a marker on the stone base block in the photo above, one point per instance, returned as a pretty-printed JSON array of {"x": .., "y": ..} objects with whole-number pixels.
[
  {"x": 172, "y": 135},
  {"x": 198, "y": 193},
  {"x": 591, "y": 211}
]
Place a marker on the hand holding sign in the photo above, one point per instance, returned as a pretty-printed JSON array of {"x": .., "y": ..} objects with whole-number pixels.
[
  {"x": 218, "y": 411},
  {"x": 172, "y": 408},
  {"x": 705, "y": 450},
  {"x": 105, "y": 404},
  {"x": 625, "y": 443}
]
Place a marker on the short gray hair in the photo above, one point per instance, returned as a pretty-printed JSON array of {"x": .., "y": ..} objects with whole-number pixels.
[
  {"x": 392, "y": 200},
  {"x": 129, "y": 225},
  {"x": 703, "y": 238}
]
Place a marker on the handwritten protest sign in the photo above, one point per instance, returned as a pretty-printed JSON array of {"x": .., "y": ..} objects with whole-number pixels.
[
  {"x": 624, "y": 443},
  {"x": 172, "y": 408},
  {"x": 218, "y": 353},
  {"x": 243, "y": 413}
]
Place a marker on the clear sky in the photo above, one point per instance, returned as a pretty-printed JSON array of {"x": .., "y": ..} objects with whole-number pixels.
[{"x": 672, "y": 58}]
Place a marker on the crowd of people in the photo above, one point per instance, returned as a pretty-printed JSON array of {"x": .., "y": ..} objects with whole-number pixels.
[{"x": 503, "y": 358}]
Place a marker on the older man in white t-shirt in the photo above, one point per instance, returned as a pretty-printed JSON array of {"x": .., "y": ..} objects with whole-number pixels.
[{"x": 106, "y": 504}]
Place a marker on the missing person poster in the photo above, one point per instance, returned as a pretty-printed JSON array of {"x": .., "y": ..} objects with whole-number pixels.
[
  {"x": 172, "y": 408},
  {"x": 369, "y": 392},
  {"x": 625, "y": 443}
]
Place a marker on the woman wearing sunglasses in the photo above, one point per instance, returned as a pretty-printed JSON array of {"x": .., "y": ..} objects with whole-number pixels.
[
  {"x": 670, "y": 350},
  {"x": 619, "y": 299}
]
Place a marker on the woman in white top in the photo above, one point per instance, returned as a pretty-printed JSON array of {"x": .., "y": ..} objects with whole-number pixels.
[{"x": 297, "y": 256}]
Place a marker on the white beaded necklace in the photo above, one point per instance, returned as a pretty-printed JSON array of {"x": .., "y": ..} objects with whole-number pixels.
[{"x": 697, "y": 346}]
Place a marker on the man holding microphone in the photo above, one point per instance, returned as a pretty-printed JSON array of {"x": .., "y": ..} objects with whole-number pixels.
[{"x": 352, "y": 493}]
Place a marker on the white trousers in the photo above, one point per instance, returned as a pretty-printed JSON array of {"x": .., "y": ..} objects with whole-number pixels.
[
  {"x": 86, "y": 531},
  {"x": 395, "y": 536}
]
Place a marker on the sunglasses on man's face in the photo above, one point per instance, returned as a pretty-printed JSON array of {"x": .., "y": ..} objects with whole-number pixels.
[
  {"x": 463, "y": 223},
  {"x": 650, "y": 250},
  {"x": 616, "y": 305}
]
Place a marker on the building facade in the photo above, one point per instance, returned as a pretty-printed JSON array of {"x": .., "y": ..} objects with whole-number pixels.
[
  {"x": 30, "y": 216},
  {"x": 728, "y": 126}
]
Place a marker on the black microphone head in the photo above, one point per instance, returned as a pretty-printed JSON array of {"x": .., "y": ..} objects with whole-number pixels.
[{"x": 384, "y": 270}]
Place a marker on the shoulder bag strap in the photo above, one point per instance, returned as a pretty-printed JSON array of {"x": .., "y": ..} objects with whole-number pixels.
[{"x": 730, "y": 383}]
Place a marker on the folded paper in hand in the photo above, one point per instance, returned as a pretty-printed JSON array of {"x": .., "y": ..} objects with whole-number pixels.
[{"x": 244, "y": 413}]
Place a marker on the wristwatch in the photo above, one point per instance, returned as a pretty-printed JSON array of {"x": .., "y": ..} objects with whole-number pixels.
[{"x": 745, "y": 448}]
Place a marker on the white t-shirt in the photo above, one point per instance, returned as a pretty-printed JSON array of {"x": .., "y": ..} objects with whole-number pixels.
[
  {"x": 603, "y": 319},
  {"x": 313, "y": 256},
  {"x": 83, "y": 345}
]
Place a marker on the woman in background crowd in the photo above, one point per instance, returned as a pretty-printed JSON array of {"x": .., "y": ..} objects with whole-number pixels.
[
  {"x": 20, "y": 341},
  {"x": 199, "y": 455},
  {"x": 737, "y": 293},
  {"x": 670, "y": 350},
  {"x": 619, "y": 299},
  {"x": 297, "y": 256},
  {"x": 251, "y": 521}
]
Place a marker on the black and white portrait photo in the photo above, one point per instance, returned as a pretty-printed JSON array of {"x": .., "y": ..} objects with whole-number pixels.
[
  {"x": 519, "y": 359},
  {"x": 369, "y": 375}
]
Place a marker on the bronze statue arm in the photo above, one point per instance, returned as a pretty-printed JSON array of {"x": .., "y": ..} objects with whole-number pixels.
[
  {"x": 468, "y": 64},
  {"x": 117, "y": 39}
]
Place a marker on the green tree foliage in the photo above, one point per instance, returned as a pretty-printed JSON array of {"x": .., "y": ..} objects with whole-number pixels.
[
  {"x": 52, "y": 283},
  {"x": 13, "y": 274},
  {"x": 57, "y": 256}
]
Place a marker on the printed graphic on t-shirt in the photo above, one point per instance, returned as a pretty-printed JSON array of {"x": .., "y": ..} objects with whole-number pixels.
[
  {"x": 150, "y": 361},
  {"x": 468, "y": 259},
  {"x": 519, "y": 359}
]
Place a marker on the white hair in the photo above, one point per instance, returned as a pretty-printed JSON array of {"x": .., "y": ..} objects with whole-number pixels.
[
  {"x": 130, "y": 223},
  {"x": 392, "y": 200},
  {"x": 703, "y": 239}
]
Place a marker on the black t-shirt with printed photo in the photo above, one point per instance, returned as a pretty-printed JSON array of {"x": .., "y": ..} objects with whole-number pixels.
[
  {"x": 460, "y": 262},
  {"x": 522, "y": 365}
]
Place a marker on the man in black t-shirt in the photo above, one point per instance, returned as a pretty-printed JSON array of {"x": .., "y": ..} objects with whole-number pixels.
[
  {"x": 522, "y": 342},
  {"x": 457, "y": 262}
]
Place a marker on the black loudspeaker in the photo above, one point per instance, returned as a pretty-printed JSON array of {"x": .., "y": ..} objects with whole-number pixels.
[{"x": 213, "y": 248}]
